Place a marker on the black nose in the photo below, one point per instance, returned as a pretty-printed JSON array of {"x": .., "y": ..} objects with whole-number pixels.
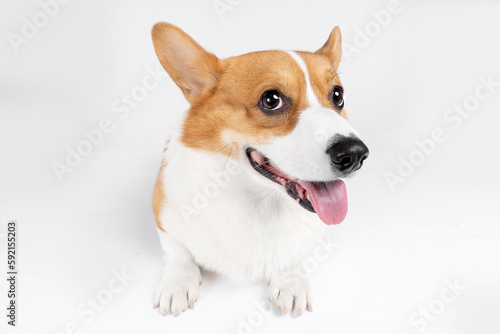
[{"x": 347, "y": 154}]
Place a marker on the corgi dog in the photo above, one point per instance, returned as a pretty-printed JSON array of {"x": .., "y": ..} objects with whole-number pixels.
[{"x": 254, "y": 173}]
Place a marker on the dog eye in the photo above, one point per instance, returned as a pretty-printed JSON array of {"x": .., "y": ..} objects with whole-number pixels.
[
  {"x": 338, "y": 97},
  {"x": 271, "y": 101}
]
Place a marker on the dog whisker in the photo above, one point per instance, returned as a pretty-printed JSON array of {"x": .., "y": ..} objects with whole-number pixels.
[
  {"x": 223, "y": 147},
  {"x": 223, "y": 169}
]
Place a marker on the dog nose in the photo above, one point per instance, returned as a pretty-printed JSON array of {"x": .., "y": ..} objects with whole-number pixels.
[{"x": 347, "y": 155}]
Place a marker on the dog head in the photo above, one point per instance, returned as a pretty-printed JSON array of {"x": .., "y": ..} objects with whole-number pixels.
[{"x": 283, "y": 111}]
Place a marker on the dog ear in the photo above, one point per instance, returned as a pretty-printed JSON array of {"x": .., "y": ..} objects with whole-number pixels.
[
  {"x": 192, "y": 68},
  {"x": 332, "y": 49}
]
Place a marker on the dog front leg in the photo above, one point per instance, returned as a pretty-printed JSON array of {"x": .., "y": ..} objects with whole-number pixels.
[
  {"x": 290, "y": 291},
  {"x": 180, "y": 285}
]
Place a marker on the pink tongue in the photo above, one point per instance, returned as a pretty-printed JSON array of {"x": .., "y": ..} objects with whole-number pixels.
[{"x": 329, "y": 200}]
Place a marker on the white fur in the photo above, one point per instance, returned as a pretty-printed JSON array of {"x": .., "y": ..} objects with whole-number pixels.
[
  {"x": 311, "y": 97},
  {"x": 249, "y": 230},
  {"x": 222, "y": 215}
]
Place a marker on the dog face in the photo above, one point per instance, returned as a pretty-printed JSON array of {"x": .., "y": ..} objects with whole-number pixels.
[{"x": 284, "y": 111}]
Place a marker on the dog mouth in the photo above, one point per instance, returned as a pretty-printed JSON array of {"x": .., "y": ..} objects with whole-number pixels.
[{"x": 327, "y": 199}]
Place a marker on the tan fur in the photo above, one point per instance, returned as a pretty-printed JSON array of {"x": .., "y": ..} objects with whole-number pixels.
[
  {"x": 224, "y": 94},
  {"x": 233, "y": 105},
  {"x": 192, "y": 68},
  {"x": 159, "y": 197},
  {"x": 322, "y": 76},
  {"x": 332, "y": 49}
]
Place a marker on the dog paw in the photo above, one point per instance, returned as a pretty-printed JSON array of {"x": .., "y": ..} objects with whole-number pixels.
[
  {"x": 178, "y": 290},
  {"x": 290, "y": 293}
]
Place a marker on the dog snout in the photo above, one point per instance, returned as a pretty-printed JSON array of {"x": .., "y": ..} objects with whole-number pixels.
[{"x": 347, "y": 154}]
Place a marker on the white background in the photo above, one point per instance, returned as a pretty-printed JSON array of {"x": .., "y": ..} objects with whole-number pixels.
[{"x": 395, "y": 250}]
